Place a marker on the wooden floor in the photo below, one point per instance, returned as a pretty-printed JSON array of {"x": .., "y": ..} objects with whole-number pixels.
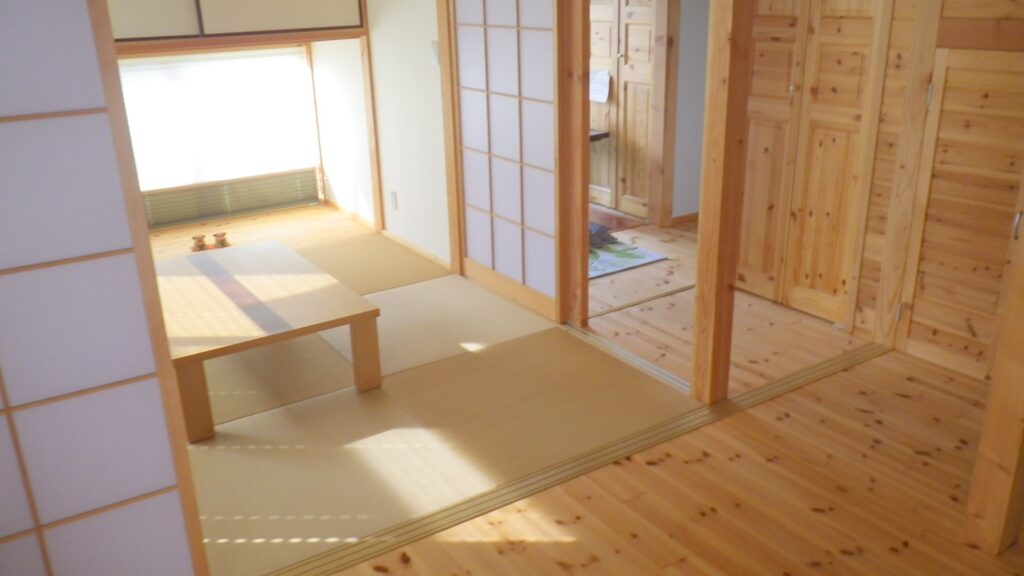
[
  {"x": 865, "y": 472},
  {"x": 770, "y": 341},
  {"x": 678, "y": 244}
]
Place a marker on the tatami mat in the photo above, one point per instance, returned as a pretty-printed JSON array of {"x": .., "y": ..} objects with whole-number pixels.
[
  {"x": 284, "y": 485},
  {"x": 438, "y": 319},
  {"x": 369, "y": 263},
  {"x": 281, "y": 486},
  {"x": 534, "y": 402},
  {"x": 274, "y": 375}
]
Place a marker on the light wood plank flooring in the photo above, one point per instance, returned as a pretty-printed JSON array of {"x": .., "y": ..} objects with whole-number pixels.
[
  {"x": 770, "y": 341},
  {"x": 678, "y": 244},
  {"x": 865, "y": 472}
]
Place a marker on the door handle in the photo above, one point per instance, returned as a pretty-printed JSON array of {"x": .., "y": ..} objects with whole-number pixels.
[
  {"x": 1016, "y": 224},
  {"x": 793, "y": 87}
]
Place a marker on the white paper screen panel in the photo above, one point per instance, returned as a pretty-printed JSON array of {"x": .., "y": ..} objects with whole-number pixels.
[
  {"x": 472, "y": 63},
  {"x": 469, "y": 11},
  {"x": 80, "y": 326},
  {"x": 502, "y": 61},
  {"x": 476, "y": 178},
  {"x": 153, "y": 19},
  {"x": 15, "y": 514},
  {"x": 478, "y": 236},
  {"x": 508, "y": 249},
  {"x": 540, "y": 262},
  {"x": 234, "y": 16},
  {"x": 68, "y": 477},
  {"x": 505, "y": 54},
  {"x": 536, "y": 51},
  {"x": 22, "y": 557},
  {"x": 83, "y": 200},
  {"x": 505, "y": 126},
  {"x": 473, "y": 107},
  {"x": 501, "y": 13},
  {"x": 146, "y": 537},
  {"x": 539, "y": 134},
  {"x": 539, "y": 200},
  {"x": 536, "y": 14},
  {"x": 506, "y": 190},
  {"x": 60, "y": 71}
]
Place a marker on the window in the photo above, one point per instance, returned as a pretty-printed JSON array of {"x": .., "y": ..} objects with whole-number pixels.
[{"x": 209, "y": 118}]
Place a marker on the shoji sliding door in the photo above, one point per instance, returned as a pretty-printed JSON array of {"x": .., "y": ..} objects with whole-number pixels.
[{"x": 505, "y": 57}]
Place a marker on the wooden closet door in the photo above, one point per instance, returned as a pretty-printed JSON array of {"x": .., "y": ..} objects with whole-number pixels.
[
  {"x": 635, "y": 89},
  {"x": 604, "y": 49},
  {"x": 969, "y": 198},
  {"x": 774, "y": 113},
  {"x": 836, "y": 136}
]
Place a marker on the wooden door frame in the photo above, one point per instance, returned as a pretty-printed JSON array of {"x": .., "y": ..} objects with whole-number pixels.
[
  {"x": 662, "y": 140},
  {"x": 661, "y": 156},
  {"x": 730, "y": 29},
  {"x": 662, "y": 121},
  {"x": 729, "y": 45}
]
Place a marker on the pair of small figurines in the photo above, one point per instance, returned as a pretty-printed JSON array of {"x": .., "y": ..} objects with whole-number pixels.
[{"x": 220, "y": 240}]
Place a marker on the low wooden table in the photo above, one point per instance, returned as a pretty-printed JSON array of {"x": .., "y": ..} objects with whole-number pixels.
[{"x": 223, "y": 301}]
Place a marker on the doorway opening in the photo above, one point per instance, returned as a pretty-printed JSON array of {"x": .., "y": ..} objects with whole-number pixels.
[{"x": 646, "y": 309}]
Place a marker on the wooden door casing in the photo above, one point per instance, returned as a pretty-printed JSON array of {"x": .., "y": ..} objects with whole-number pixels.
[
  {"x": 773, "y": 110},
  {"x": 604, "y": 47},
  {"x": 971, "y": 193},
  {"x": 635, "y": 88},
  {"x": 837, "y": 134}
]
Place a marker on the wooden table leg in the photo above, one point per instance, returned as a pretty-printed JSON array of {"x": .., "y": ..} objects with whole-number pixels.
[
  {"x": 195, "y": 399},
  {"x": 366, "y": 354}
]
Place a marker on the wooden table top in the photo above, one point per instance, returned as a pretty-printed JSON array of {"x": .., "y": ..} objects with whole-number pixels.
[{"x": 221, "y": 301}]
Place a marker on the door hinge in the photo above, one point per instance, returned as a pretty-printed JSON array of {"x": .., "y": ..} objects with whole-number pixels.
[
  {"x": 899, "y": 312},
  {"x": 931, "y": 91}
]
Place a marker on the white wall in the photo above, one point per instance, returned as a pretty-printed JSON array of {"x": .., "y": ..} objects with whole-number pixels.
[
  {"x": 693, "y": 50},
  {"x": 410, "y": 131},
  {"x": 341, "y": 113}
]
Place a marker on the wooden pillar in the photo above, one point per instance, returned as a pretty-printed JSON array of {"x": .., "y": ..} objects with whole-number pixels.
[
  {"x": 994, "y": 507},
  {"x": 572, "y": 33},
  {"x": 663, "y": 112},
  {"x": 450, "y": 115},
  {"x": 721, "y": 193}
]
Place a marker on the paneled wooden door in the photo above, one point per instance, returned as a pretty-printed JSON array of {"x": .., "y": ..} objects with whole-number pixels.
[
  {"x": 622, "y": 41},
  {"x": 773, "y": 111},
  {"x": 604, "y": 51},
  {"x": 971, "y": 198},
  {"x": 636, "y": 90},
  {"x": 846, "y": 49},
  {"x": 810, "y": 148}
]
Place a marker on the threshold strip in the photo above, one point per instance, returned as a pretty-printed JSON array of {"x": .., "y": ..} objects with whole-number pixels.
[
  {"x": 642, "y": 301},
  {"x": 349, "y": 555}
]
